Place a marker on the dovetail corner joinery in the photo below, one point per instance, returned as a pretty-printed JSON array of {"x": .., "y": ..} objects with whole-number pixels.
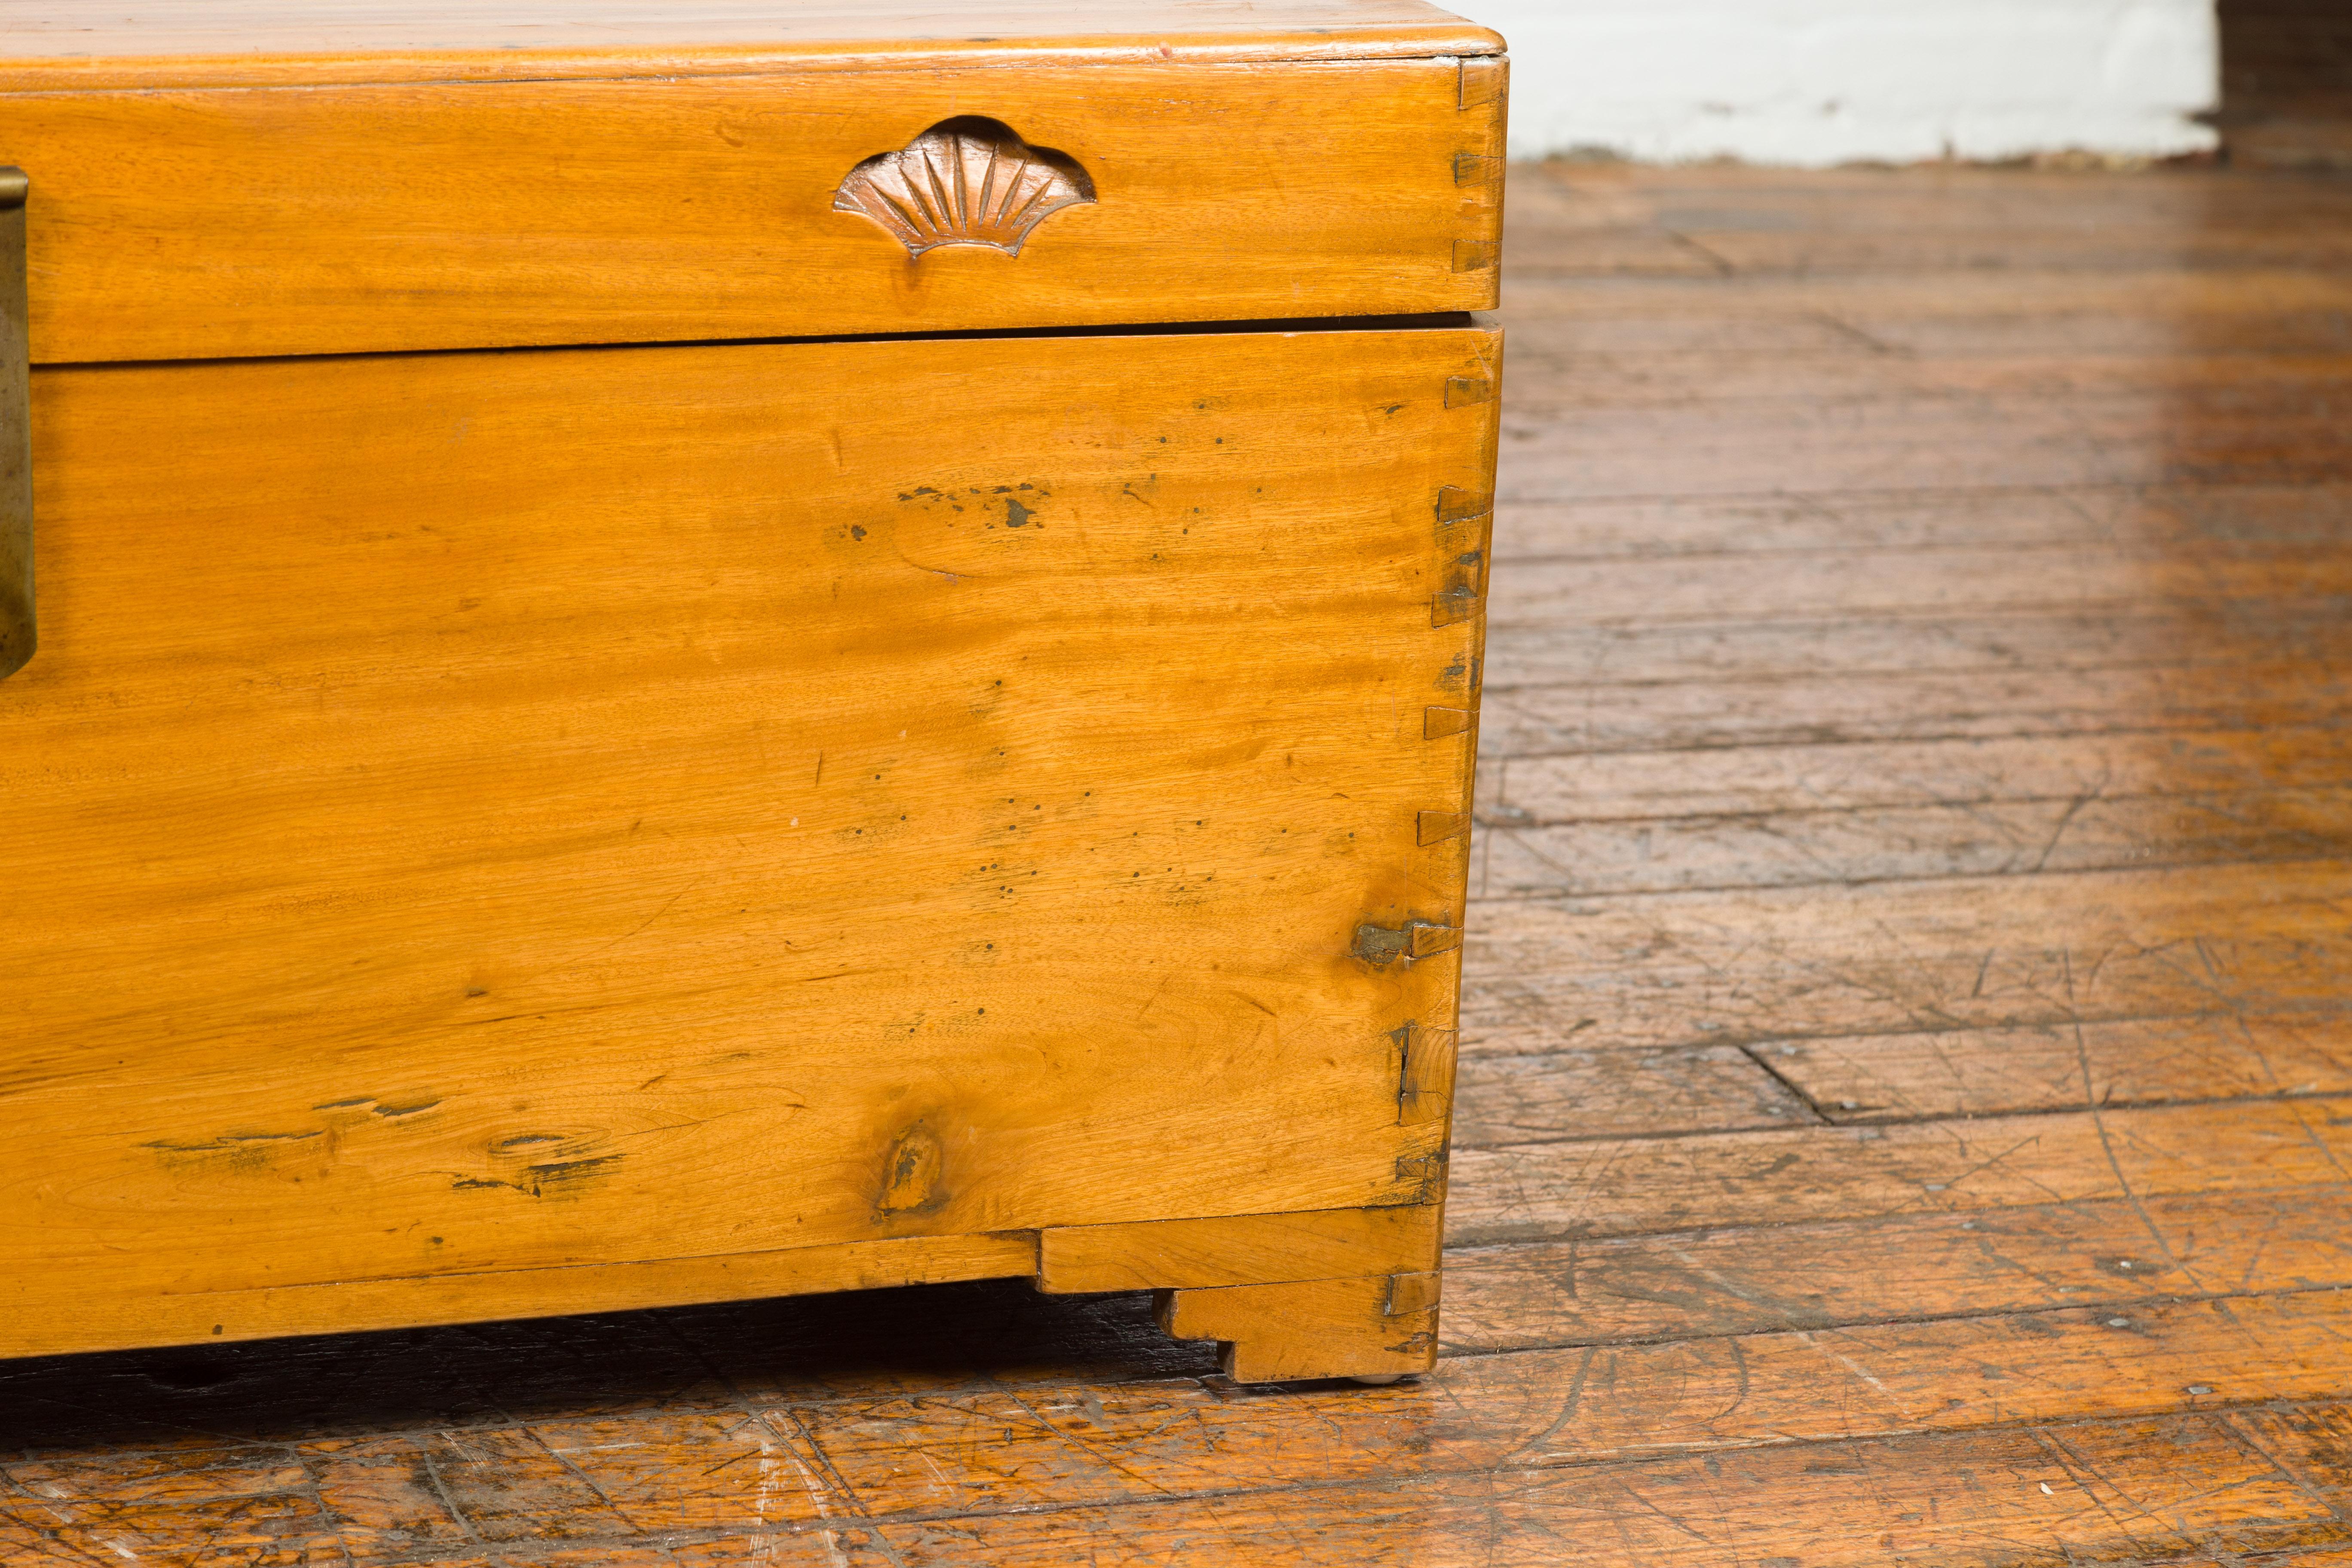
[
  {"x": 16, "y": 626},
  {"x": 1475, "y": 254},
  {"x": 1476, "y": 169},
  {"x": 1437, "y": 826},
  {"x": 1455, "y": 504},
  {"x": 1465, "y": 593},
  {"x": 1410, "y": 1293},
  {"x": 1378, "y": 944},
  {"x": 967, "y": 180},
  {"x": 1424, "y": 1073},
  {"x": 1486, "y": 82},
  {"x": 1462, "y": 590},
  {"x": 1462, "y": 391}
]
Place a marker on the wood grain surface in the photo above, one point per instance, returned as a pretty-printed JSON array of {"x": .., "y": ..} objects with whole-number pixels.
[
  {"x": 178, "y": 43},
  {"x": 1903, "y": 1106},
  {"x": 504, "y": 813},
  {"x": 193, "y": 222},
  {"x": 2286, "y": 84}
]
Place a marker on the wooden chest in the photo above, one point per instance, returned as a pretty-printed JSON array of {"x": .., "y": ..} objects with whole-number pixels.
[{"x": 700, "y": 653}]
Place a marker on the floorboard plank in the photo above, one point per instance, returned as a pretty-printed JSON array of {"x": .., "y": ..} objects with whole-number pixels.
[
  {"x": 2161, "y": 310},
  {"x": 1872, "y": 448},
  {"x": 1057, "y": 1446},
  {"x": 2199, "y": 383},
  {"x": 1627, "y": 1187},
  {"x": 2115, "y": 1062},
  {"x": 2108, "y": 1492},
  {"x": 2091, "y": 831},
  {"x": 2313, "y": 1444},
  {"x": 2100, "y": 1252},
  {"x": 1715, "y": 968},
  {"x": 1811, "y": 709},
  {"x": 1941, "y": 580},
  {"x": 1577, "y": 1094},
  {"x": 1753, "y": 781},
  {"x": 1654, "y": 525},
  {"x": 2313, "y": 635}
]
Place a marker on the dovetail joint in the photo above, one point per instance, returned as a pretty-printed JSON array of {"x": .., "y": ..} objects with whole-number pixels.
[
  {"x": 1427, "y": 1173},
  {"x": 1410, "y": 1293},
  {"x": 1437, "y": 826},
  {"x": 1455, "y": 504},
  {"x": 1414, "y": 939},
  {"x": 1463, "y": 391},
  {"x": 1475, "y": 254},
  {"x": 1476, "y": 169},
  {"x": 1425, "y": 1059},
  {"x": 1455, "y": 606},
  {"x": 1481, "y": 79}
]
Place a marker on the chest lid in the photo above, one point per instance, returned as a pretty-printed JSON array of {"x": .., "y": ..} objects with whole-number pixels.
[{"x": 214, "y": 180}]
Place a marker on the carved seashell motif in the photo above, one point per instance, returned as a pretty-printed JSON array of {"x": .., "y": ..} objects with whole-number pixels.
[{"x": 967, "y": 181}]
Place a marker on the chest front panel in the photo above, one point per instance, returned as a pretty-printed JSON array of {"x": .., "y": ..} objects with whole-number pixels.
[{"x": 496, "y": 812}]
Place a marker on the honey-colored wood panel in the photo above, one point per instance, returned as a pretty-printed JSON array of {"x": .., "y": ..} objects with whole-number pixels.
[
  {"x": 1242, "y": 1249},
  {"x": 194, "y": 224},
  {"x": 1382, "y": 1327},
  {"x": 95, "y": 45},
  {"x": 125, "y": 1321},
  {"x": 500, "y": 812}
]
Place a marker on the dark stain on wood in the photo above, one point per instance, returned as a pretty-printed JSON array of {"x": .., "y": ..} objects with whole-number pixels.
[
  {"x": 910, "y": 1175},
  {"x": 244, "y": 1152}
]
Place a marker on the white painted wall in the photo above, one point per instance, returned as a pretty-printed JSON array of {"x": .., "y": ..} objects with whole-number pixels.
[{"x": 1828, "y": 81}]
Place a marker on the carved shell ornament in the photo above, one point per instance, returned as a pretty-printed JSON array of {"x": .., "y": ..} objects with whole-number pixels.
[{"x": 966, "y": 181}]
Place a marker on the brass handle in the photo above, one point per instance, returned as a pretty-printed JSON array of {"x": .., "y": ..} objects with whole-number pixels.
[{"x": 15, "y": 431}]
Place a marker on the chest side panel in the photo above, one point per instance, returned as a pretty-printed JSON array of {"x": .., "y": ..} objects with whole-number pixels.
[
  {"x": 496, "y": 811},
  {"x": 200, "y": 224}
]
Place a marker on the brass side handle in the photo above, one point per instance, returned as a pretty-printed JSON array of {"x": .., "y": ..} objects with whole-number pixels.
[{"x": 16, "y": 638}]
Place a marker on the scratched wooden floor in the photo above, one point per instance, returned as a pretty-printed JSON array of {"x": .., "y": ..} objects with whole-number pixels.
[
  {"x": 1907, "y": 1079},
  {"x": 2287, "y": 83}
]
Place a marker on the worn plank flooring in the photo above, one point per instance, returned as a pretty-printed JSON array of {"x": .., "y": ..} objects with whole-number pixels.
[
  {"x": 1906, "y": 1090},
  {"x": 2287, "y": 83}
]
